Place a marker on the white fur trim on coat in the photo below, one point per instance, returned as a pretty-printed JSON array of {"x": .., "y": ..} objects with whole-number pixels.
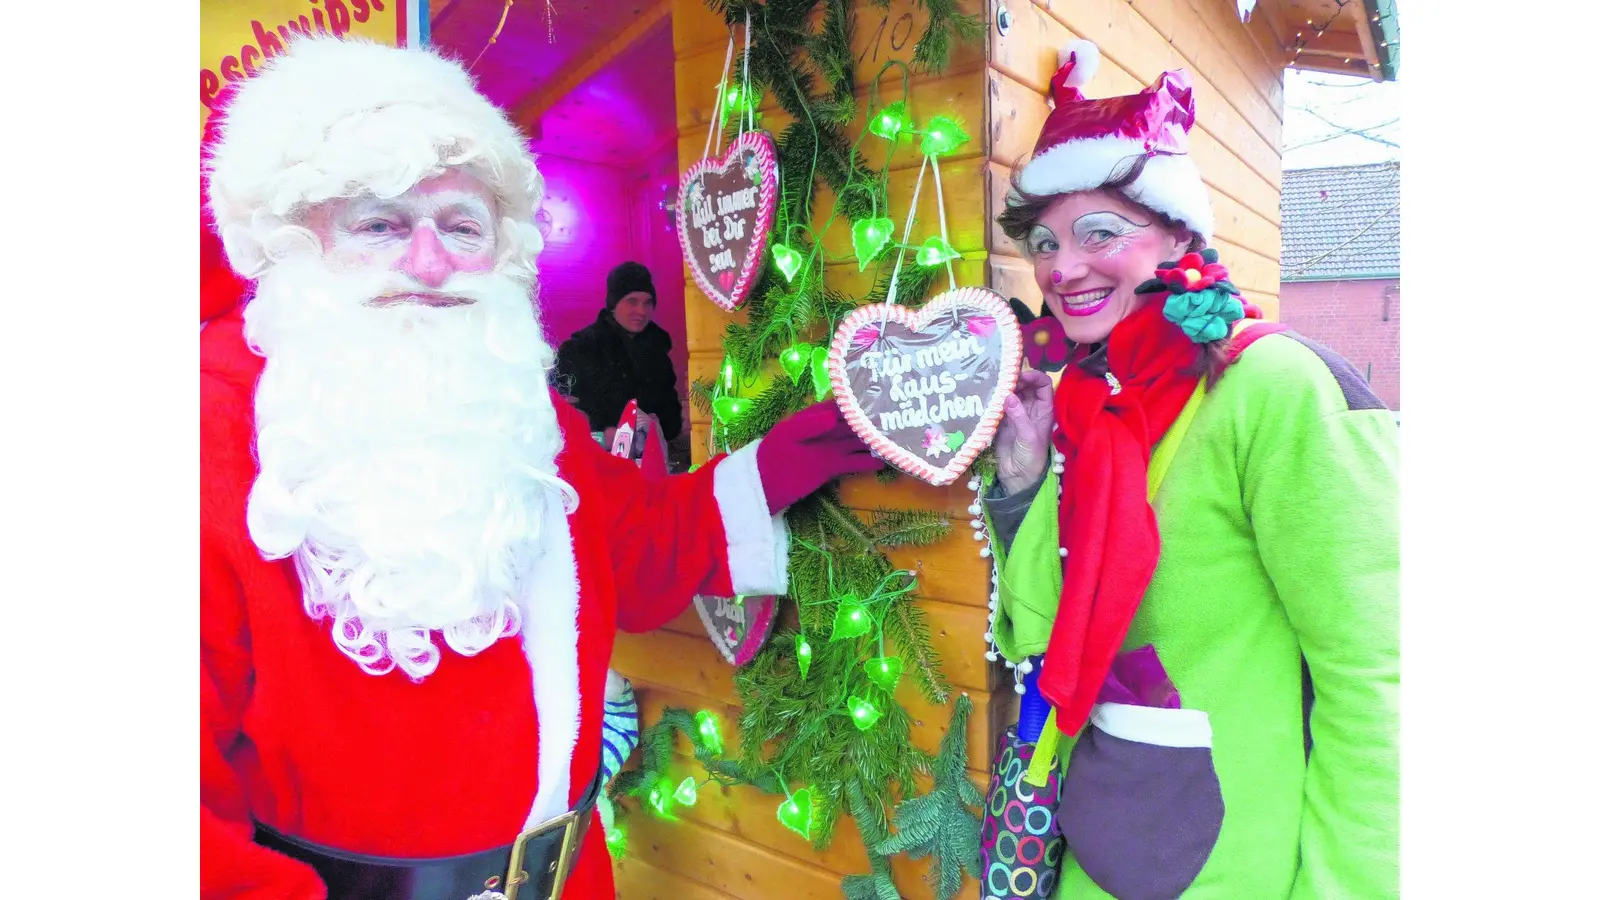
[
  {"x": 1168, "y": 184},
  {"x": 550, "y": 643},
  {"x": 332, "y": 117},
  {"x": 758, "y": 541}
]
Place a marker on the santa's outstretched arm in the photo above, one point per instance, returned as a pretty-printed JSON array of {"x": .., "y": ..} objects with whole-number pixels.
[{"x": 719, "y": 530}]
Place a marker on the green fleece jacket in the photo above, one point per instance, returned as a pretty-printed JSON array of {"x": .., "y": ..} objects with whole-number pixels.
[{"x": 1275, "y": 609}]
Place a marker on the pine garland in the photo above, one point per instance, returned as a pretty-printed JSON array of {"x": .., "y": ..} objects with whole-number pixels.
[
  {"x": 796, "y": 730},
  {"x": 939, "y": 822}
]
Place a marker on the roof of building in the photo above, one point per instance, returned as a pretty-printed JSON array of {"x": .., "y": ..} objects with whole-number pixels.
[{"x": 1341, "y": 222}]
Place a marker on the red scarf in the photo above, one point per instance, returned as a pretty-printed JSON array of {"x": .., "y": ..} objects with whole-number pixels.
[{"x": 1110, "y": 530}]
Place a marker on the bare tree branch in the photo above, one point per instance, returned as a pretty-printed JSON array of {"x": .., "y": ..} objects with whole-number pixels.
[{"x": 1349, "y": 129}]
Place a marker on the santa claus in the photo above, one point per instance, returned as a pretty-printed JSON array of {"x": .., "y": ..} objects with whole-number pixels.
[{"x": 414, "y": 556}]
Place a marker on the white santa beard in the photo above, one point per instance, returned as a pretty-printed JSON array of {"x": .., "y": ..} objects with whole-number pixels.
[{"x": 407, "y": 457}]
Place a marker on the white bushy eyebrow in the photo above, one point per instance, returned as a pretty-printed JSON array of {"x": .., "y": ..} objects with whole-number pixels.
[{"x": 431, "y": 206}]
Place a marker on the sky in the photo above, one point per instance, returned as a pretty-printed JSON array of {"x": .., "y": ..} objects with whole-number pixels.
[{"x": 1319, "y": 106}]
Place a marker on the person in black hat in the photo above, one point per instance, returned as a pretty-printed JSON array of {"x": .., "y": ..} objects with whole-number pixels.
[{"x": 623, "y": 356}]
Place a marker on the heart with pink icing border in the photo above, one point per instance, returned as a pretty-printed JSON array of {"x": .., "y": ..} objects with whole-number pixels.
[
  {"x": 925, "y": 388},
  {"x": 726, "y": 206},
  {"x": 739, "y": 626}
]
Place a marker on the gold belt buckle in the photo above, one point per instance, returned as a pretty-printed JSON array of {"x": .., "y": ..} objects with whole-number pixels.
[{"x": 516, "y": 876}]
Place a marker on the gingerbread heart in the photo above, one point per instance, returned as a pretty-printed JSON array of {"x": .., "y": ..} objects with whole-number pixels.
[
  {"x": 739, "y": 626},
  {"x": 925, "y": 388},
  {"x": 725, "y": 211}
]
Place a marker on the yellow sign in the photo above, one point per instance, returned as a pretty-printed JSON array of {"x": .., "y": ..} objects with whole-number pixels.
[{"x": 237, "y": 36}]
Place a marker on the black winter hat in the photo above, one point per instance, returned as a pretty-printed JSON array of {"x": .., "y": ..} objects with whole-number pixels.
[{"x": 624, "y": 280}]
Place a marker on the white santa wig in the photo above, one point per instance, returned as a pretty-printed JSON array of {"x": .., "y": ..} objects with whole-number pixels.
[{"x": 334, "y": 117}]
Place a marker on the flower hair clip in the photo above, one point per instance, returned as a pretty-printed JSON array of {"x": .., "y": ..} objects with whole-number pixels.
[
  {"x": 1200, "y": 299},
  {"x": 1044, "y": 341}
]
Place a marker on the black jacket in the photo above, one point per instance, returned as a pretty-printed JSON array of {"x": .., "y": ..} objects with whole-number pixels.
[{"x": 603, "y": 366}]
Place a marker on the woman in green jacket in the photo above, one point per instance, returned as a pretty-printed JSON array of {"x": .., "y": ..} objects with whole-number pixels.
[{"x": 1219, "y": 490}]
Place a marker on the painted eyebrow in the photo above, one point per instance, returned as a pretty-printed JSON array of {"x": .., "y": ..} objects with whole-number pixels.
[{"x": 1088, "y": 218}]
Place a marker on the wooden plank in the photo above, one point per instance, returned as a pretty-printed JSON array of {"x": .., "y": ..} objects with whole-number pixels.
[
  {"x": 654, "y": 699},
  {"x": 725, "y": 863},
  {"x": 963, "y": 208},
  {"x": 1012, "y": 276},
  {"x": 679, "y": 662},
  {"x": 745, "y": 813},
  {"x": 954, "y": 631},
  {"x": 1338, "y": 44},
  {"x": 957, "y": 94},
  {"x": 638, "y": 880},
  {"x": 751, "y": 816},
  {"x": 695, "y": 26},
  {"x": 950, "y": 570},
  {"x": 879, "y": 36},
  {"x": 882, "y": 35},
  {"x": 1262, "y": 50},
  {"x": 1017, "y": 113},
  {"x": 906, "y": 492},
  {"x": 533, "y": 105},
  {"x": 1243, "y": 46},
  {"x": 1218, "y": 49}
]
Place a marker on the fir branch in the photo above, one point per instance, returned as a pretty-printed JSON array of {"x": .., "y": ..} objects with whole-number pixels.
[
  {"x": 908, "y": 527},
  {"x": 939, "y": 823},
  {"x": 878, "y": 884},
  {"x": 701, "y": 391},
  {"x": 907, "y": 626},
  {"x": 946, "y": 26},
  {"x": 915, "y": 281}
]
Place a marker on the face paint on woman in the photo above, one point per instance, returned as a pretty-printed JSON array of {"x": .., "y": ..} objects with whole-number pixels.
[{"x": 1090, "y": 250}]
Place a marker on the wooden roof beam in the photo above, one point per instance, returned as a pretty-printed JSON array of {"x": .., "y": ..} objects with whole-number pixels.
[
  {"x": 527, "y": 111},
  {"x": 1341, "y": 44},
  {"x": 1369, "y": 50}
]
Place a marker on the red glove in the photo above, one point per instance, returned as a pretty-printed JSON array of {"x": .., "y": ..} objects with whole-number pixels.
[{"x": 806, "y": 451}]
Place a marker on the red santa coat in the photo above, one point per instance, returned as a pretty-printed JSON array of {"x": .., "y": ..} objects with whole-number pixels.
[{"x": 295, "y": 735}]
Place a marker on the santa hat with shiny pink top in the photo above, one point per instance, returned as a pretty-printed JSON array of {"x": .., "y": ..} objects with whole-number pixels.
[{"x": 1087, "y": 143}]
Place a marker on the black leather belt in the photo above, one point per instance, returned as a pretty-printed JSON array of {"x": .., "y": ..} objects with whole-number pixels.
[{"x": 535, "y": 867}]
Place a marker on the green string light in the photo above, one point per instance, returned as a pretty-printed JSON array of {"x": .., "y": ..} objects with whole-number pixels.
[
  {"x": 868, "y": 237},
  {"x": 802, "y": 654},
  {"x": 943, "y": 136},
  {"x": 789, "y": 261},
  {"x": 616, "y": 841},
  {"x": 661, "y": 801},
  {"x": 687, "y": 793},
  {"x": 863, "y": 713},
  {"x": 936, "y": 251},
  {"x": 794, "y": 360},
  {"x": 710, "y": 733},
  {"x": 727, "y": 374},
  {"x": 851, "y": 620},
  {"x": 821, "y": 380},
  {"x": 795, "y": 813},
  {"x": 726, "y": 409},
  {"x": 884, "y": 671},
  {"x": 890, "y": 122}
]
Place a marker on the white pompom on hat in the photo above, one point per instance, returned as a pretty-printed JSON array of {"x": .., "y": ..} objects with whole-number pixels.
[
  {"x": 1086, "y": 144},
  {"x": 341, "y": 117}
]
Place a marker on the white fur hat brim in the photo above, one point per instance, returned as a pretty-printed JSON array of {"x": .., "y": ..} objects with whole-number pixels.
[
  {"x": 332, "y": 117},
  {"x": 1169, "y": 184}
]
